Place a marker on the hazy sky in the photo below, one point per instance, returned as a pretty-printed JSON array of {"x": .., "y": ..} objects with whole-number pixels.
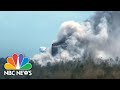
[{"x": 25, "y": 31}]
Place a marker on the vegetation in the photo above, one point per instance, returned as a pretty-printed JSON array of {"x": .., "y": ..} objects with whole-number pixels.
[{"x": 69, "y": 70}]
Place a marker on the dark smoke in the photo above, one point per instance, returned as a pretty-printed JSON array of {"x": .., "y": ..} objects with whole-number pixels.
[{"x": 97, "y": 37}]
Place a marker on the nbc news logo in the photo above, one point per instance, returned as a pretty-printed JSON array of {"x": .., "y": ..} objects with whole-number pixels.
[{"x": 18, "y": 65}]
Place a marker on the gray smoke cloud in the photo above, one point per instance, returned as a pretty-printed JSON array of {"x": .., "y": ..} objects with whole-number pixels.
[{"x": 98, "y": 38}]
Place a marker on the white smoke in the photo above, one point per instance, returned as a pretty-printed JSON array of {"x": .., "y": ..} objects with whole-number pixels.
[{"x": 97, "y": 37}]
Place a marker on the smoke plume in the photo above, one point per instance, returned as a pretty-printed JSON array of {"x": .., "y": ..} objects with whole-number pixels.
[{"x": 96, "y": 38}]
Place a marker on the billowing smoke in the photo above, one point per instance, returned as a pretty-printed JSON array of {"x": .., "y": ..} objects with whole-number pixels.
[{"x": 96, "y": 38}]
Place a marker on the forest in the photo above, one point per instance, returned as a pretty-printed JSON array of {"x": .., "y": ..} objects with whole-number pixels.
[{"x": 69, "y": 70}]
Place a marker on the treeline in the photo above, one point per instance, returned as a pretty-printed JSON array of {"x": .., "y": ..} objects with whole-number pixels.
[{"x": 69, "y": 70}]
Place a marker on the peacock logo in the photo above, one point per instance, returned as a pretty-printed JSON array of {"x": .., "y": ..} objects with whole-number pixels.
[{"x": 17, "y": 63}]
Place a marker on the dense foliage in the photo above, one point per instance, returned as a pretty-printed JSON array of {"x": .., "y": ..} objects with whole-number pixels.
[{"x": 69, "y": 70}]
